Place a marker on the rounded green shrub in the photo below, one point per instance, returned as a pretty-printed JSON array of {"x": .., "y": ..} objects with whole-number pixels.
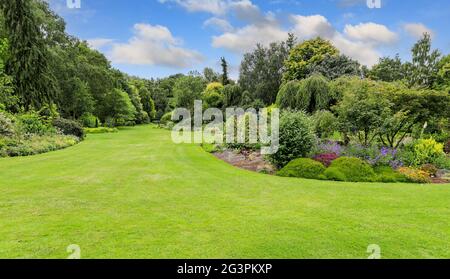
[
  {"x": 296, "y": 138},
  {"x": 69, "y": 127},
  {"x": 350, "y": 169},
  {"x": 303, "y": 167}
]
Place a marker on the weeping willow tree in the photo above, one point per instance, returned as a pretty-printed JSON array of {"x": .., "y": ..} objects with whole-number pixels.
[
  {"x": 313, "y": 94},
  {"x": 287, "y": 96},
  {"x": 27, "y": 63}
]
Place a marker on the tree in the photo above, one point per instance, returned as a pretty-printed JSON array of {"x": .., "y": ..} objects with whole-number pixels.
[
  {"x": 213, "y": 96},
  {"x": 211, "y": 76},
  {"x": 186, "y": 90},
  {"x": 361, "y": 113},
  {"x": 224, "y": 64},
  {"x": 287, "y": 96},
  {"x": 261, "y": 71},
  {"x": 148, "y": 104},
  {"x": 306, "y": 54},
  {"x": 76, "y": 100},
  {"x": 8, "y": 100},
  {"x": 388, "y": 69},
  {"x": 335, "y": 66},
  {"x": 443, "y": 77},
  {"x": 423, "y": 70},
  {"x": 119, "y": 107},
  {"x": 28, "y": 61},
  {"x": 232, "y": 95}
]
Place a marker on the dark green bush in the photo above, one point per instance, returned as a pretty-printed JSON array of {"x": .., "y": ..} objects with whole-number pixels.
[
  {"x": 69, "y": 127},
  {"x": 350, "y": 169},
  {"x": 296, "y": 138},
  {"x": 303, "y": 167}
]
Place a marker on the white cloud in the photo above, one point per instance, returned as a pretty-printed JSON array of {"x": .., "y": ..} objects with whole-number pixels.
[
  {"x": 416, "y": 30},
  {"x": 216, "y": 7},
  {"x": 306, "y": 27},
  {"x": 371, "y": 33},
  {"x": 245, "y": 39},
  {"x": 154, "y": 45},
  {"x": 218, "y": 23},
  {"x": 98, "y": 43},
  {"x": 357, "y": 41}
]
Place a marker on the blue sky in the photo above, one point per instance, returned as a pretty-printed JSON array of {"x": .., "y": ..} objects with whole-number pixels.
[{"x": 156, "y": 38}]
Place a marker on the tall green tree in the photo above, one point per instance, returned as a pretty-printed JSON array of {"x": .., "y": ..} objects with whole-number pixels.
[
  {"x": 224, "y": 63},
  {"x": 388, "y": 69},
  {"x": 305, "y": 55},
  {"x": 422, "y": 71},
  {"x": 335, "y": 66},
  {"x": 28, "y": 61},
  {"x": 261, "y": 71}
]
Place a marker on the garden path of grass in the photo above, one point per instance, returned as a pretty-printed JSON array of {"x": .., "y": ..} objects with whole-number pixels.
[{"x": 135, "y": 194}]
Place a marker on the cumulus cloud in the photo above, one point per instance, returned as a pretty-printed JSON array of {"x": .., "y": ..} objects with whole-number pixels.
[
  {"x": 218, "y": 23},
  {"x": 216, "y": 7},
  {"x": 154, "y": 45},
  {"x": 244, "y": 39},
  {"x": 357, "y": 41},
  {"x": 361, "y": 49},
  {"x": 98, "y": 43},
  {"x": 371, "y": 33},
  {"x": 416, "y": 30}
]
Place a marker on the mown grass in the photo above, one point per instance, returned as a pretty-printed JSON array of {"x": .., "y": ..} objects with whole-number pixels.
[{"x": 135, "y": 194}]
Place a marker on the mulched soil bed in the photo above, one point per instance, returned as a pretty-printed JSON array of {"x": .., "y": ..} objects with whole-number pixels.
[{"x": 249, "y": 160}]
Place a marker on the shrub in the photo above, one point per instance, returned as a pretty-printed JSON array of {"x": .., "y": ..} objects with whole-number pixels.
[
  {"x": 427, "y": 151},
  {"x": 326, "y": 159},
  {"x": 447, "y": 147},
  {"x": 387, "y": 174},
  {"x": 325, "y": 123},
  {"x": 36, "y": 144},
  {"x": 6, "y": 126},
  {"x": 166, "y": 118},
  {"x": 303, "y": 167},
  {"x": 350, "y": 169},
  {"x": 90, "y": 121},
  {"x": 429, "y": 168},
  {"x": 31, "y": 123},
  {"x": 69, "y": 127},
  {"x": 296, "y": 138},
  {"x": 100, "y": 130},
  {"x": 415, "y": 175}
]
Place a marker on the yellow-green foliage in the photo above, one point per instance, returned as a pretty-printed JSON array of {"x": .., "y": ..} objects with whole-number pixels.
[
  {"x": 427, "y": 151},
  {"x": 100, "y": 130}
]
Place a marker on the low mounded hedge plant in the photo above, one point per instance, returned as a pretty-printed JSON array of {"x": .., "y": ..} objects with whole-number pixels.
[
  {"x": 350, "y": 169},
  {"x": 303, "y": 167}
]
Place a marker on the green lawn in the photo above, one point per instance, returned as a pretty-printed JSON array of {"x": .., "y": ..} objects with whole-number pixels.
[{"x": 135, "y": 194}]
